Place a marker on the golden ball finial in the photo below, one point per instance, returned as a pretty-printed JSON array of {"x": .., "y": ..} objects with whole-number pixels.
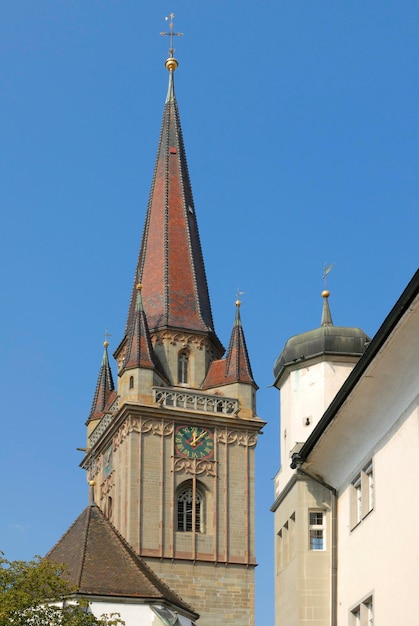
[
  {"x": 325, "y": 293},
  {"x": 139, "y": 286},
  {"x": 171, "y": 64},
  {"x": 92, "y": 483},
  {"x": 106, "y": 344},
  {"x": 238, "y": 302}
]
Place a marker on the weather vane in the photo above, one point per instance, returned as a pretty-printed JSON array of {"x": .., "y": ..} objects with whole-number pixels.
[
  {"x": 239, "y": 293},
  {"x": 171, "y": 33},
  {"x": 326, "y": 271}
]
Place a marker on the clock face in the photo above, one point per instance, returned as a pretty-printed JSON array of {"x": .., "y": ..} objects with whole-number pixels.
[
  {"x": 194, "y": 442},
  {"x": 107, "y": 462}
]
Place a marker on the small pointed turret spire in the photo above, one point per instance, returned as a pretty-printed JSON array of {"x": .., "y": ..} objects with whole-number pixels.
[
  {"x": 237, "y": 358},
  {"x": 139, "y": 349},
  {"x": 104, "y": 386},
  {"x": 326, "y": 315},
  {"x": 235, "y": 367}
]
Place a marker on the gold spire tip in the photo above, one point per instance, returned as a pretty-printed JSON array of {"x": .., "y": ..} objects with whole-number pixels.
[
  {"x": 325, "y": 293},
  {"x": 139, "y": 286},
  {"x": 105, "y": 344},
  {"x": 238, "y": 302},
  {"x": 92, "y": 483}
]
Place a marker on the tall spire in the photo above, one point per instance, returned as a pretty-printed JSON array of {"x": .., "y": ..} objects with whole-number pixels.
[
  {"x": 104, "y": 386},
  {"x": 170, "y": 263}
]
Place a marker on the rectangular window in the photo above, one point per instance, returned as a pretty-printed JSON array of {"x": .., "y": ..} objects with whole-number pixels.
[
  {"x": 285, "y": 544},
  {"x": 362, "y": 615},
  {"x": 291, "y": 530},
  {"x": 362, "y": 494},
  {"x": 368, "y": 607},
  {"x": 356, "y": 616},
  {"x": 357, "y": 500},
  {"x": 280, "y": 553},
  {"x": 316, "y": 530},
  {"x": 369, "y": 487}
]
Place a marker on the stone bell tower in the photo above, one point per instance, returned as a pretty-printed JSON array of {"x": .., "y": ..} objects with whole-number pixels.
[{"x": 171, "y": 449}]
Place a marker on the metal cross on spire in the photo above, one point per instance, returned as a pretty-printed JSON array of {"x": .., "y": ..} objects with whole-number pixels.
[
  {"x": 107, "y": 335},
  {"x": 171, "y": 33}
]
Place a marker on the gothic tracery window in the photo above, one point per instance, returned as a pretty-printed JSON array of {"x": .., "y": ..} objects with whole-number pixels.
[{"x": 188, "y": 511}]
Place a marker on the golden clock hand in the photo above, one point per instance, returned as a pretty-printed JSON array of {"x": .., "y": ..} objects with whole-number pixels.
[{"x": 200, "y": 436}]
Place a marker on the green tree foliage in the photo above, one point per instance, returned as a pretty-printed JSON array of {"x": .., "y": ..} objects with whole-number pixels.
[{"x": 28, "y": 589}]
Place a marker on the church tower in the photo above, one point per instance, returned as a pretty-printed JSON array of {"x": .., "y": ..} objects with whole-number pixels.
[{"x": 171, "y": 450}]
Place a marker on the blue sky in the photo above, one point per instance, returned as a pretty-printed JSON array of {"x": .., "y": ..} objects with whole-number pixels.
[{"x": 300, "y": 120}]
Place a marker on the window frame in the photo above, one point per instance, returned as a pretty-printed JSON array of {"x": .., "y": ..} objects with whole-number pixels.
[
  {"x": 362, "y": 494},
  {"x": 314, "y": 527},
  {"x": 362, "y": 614},
  {"x": 192, "y": 520}
]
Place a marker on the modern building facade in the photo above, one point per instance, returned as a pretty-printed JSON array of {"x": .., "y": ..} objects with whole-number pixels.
[
  {"x": 170, "y": 448},
  {"x": 345, "y": 504}
]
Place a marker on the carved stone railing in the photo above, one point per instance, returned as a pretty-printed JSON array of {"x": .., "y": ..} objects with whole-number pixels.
[
  {"x": 103, "y": 425},
  {"x": 195, "y": 401}
]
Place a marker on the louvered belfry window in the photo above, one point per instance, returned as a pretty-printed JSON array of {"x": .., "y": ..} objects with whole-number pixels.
[
  {"x": 185, "y": 508},
  {"x": 183, "y": 368}
]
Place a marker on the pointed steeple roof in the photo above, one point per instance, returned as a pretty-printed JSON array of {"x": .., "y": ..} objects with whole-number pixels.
[
  {"x": 170, "y": 263},
  {"x": 236, "y": 365},
  {"x": 139, "y": 352},
  {"x": 105, "y": 388},
  {"x": 100, "y": 562},
  {"x": 237, "y": 360}
]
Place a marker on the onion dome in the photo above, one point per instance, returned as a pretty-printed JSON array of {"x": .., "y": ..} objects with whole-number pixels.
[{"x": 327, "y": 340}]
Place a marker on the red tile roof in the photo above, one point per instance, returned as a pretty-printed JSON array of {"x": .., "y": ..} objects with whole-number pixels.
[
  {"x": 139, "y": 351},
  {"x": 100, "y": 562}
]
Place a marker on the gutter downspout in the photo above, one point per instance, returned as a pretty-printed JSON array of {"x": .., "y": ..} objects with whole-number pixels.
[{"x": 334, "y": 556}]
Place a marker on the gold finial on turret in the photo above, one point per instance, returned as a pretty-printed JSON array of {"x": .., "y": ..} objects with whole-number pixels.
[
  {"x": 92, "y": 483},
  {"x": 139, "y": 286},
  {"x": 171, "y": 63}
]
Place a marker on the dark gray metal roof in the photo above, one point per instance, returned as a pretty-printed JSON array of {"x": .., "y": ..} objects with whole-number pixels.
[{"x": 325, "y": 340}]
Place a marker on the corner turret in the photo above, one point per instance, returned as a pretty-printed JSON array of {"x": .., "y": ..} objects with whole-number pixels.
[
  {"x": 309, "y": 372},
  {"x": 104, "y": 395},
  {"x": 234, "y": 373}
]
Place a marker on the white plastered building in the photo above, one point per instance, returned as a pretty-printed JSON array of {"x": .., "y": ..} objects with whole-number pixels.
[{"x": 346, "y": 505}]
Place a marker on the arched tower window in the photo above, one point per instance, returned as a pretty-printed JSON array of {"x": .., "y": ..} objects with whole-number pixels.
[
  {"x": 190, "y": 509},
  {"x": 182, "y": 367},
  {"x": 131, "y": 382}
]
